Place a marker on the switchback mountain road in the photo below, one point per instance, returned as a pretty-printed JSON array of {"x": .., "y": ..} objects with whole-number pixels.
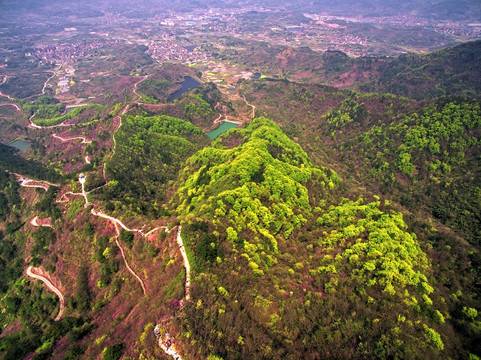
[{"x": 31, "y": 272}]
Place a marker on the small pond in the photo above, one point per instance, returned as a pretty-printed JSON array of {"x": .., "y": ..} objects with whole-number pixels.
[
  {"x": 226, "y": 125},
  {"x": 70, "y": 108},
  {"x": 256, "y": 75},
  {"x": 20, "y": 145},
  {"x": 188, "y": 83}
]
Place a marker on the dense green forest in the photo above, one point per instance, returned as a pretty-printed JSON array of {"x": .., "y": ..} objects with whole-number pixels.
[
  {"x": 12, "y": 161},
  {"x": 422, "y": 154},
  {"x": 149, "y": 151},
  {"x": 283, "y": 259},
  {"x": 451, "y": 71},
  {"x": 428, "y": 158}
]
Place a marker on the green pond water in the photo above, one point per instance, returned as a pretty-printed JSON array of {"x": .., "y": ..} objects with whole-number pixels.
[
  {"x": 20, "y": 145},
  {"x": 70, "y": 108},
  {"x": 221, "y": 129}
]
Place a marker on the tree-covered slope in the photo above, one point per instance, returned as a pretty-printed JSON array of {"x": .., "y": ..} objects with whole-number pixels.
[
  {"x": 426, "y": 159},
  {"x": 11, "y": 161},
  {"x": 286, "y": 267},
  {"x": 149, "y": 151},
  {"x": 450, "y": 71},
  {"x": 424, "y": 154}
]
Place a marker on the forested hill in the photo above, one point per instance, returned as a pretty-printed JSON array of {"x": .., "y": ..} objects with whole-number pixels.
[
  {"x": 287, "y": 265},
  {"x": 450, "y": 71}
]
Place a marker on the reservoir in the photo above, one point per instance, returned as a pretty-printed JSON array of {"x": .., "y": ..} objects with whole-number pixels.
[
  {"x": 20, "y": 145},
  {"x": 190, "y": 48},
  {"x": 187, "y": 84},
  {"x": 226, "y": 125}
]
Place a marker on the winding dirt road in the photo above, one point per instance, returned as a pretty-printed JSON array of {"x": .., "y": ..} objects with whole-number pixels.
[
  {"x": 34, "y": 222},
  {"x": 46, "y": 82},
  {"x": 186, "y": 263},
  {"x": 31, "y": 272},
  {"x": 168, "y": 349},
  {"x": 117, "y": 223},
  {"x": 119, "y": 117},
  {"x": 252, "y": 106},
  {"x": 10, "y": 104},
  {"x": 125, "y": 260},
  {"x": 36, "y": 184},
  {"x": 35, "y": 126},
  {"x": 5, "y": 77},
  {"x": 84, "y": 140},
  {"x": 135, "y": 89}
]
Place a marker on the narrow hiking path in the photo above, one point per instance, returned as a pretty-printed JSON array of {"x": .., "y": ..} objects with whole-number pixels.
[
  {"x": 117, "y": 223},
  {"x": 31, "y": 271}
]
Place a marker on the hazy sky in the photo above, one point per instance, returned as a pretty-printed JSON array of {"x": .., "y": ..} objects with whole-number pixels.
[{"x": 454, "y": 9}]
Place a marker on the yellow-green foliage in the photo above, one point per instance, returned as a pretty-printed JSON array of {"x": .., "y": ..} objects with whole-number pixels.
[
  {"x": 256, "y": 190},
  {"x": 258, "y": 184},
  {"x": 59, "y": 119},
  {"x": 434, "y": 337},
  {"x": 387, "y": 254}
]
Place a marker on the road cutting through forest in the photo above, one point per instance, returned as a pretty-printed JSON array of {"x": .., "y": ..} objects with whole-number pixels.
[
  {"x": 34, "y": 222},
  {"x": 252, "y": 106},
  {"x": 10, "y": 104},
  {"x": 118, "y": 223},
  {"x": 26, "y": 182},
  {"x": 30, "y": 272},
  {"x": 84, "y": 140},
  {"x": 168, "y": 348},
  {"x": 186, "y": 263},
  {"x": 35, "y": 126}
]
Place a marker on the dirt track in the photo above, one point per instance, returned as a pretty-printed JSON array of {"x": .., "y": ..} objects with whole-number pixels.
[{"x": 31, "y": 272}]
